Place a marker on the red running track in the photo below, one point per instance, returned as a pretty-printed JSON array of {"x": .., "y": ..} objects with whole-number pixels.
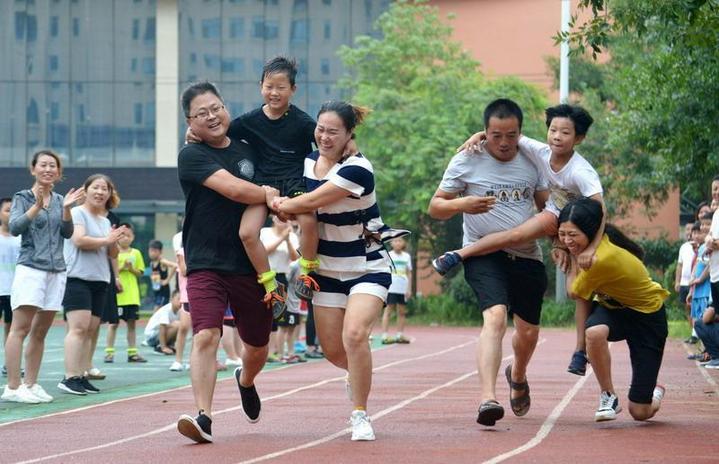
[{"x": 423, "y": 404}]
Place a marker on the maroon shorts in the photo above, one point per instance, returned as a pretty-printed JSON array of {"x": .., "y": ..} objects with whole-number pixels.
[{"x": 210, "y": 292}]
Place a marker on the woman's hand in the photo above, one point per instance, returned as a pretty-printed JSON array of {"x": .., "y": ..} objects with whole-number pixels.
[
  {"x": 115, "y": 234},
  {"x": 560, "y": 257},
  {"x": 585, "y": 259},
  {"x": 190, "y": 137},
  {"x": 474, "y": 143},
  {"x": 40, "y": 197},
  {"x": 73, "y": 197}
]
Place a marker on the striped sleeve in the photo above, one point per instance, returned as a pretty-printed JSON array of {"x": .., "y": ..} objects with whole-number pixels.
[{"x": 355, "y": 176}]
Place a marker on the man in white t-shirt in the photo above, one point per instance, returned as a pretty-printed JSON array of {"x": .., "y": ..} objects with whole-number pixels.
[
  {"x": 682, "y": 276},
  {"x": 513, "y": 279},
  {"x": 399, "y": 291},
  {"x": 161, "y": 329}
]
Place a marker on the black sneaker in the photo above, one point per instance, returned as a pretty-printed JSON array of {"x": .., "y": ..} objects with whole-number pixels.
[
  {"x": 89, "y": 388},
  {"x": 73, "y": 385},
  {"x": 578, "y": 364},
  {"x": 251, "y": 404},
  {"x": 4, "y": 371},
  {"x": 198, "y": 429},
  {"x": 444, "y": 263}
]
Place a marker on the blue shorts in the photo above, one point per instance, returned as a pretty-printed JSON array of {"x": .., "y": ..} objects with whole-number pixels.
[{"x": 699, "y": 305}]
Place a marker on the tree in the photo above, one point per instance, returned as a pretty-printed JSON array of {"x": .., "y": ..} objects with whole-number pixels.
[
  {"x": 427, "y": 97},
  {"x": 663, "y": 80}
]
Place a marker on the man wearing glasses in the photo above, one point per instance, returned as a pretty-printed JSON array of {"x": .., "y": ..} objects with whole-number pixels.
[{"x": 216, "y": 178}]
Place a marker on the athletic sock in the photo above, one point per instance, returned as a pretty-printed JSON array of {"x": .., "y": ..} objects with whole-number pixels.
[
  {"x": 131, "y": 351},
  {"x": 109, "y": 350},
  {"x": 267, "y": 279}
]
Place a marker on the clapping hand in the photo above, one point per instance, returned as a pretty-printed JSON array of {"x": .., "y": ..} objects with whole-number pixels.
[{"x": 73, "y": 197}]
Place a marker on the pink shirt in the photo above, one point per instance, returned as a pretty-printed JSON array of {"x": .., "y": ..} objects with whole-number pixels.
[{"x": 182, "y": 280}]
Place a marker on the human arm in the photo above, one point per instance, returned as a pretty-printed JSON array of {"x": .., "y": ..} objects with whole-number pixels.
[
  {"x": 292, "y": 244},
  {"x": 181, "y": 264},
  {"x": 709, "y": 315},
  {"x": 171, "y": 268},
  {"x": 114, "y": 266},
  {"x": 702, "y": 277},
  {"x": 325, "y": 195},
  {"x": 678, "y": 272},
  {"x": 444, "y": 205},
  {"x": 276, "y": 241}
]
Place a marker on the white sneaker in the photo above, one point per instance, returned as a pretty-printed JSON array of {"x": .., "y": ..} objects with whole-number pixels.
[
  {"x": 40, "y": 393},
  {"x": 20, "y": 395},
  {"x": 176, "y": 366},
  {"x": 361, "y": 426},
  {"x": 658, "y": 393},
  {"x": 233, "y": 362},
  {"x": 608, "y": 407}
]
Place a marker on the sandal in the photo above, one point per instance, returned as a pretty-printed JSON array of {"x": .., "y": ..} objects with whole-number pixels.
[
  {"x": 490, "y": 412},
  {"x": 520, "y": 405}
]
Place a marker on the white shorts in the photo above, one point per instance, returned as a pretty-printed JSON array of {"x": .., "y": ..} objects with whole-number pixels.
[
  {"x": 41, "y": 289},
  {"x": 335, "y": 292}
]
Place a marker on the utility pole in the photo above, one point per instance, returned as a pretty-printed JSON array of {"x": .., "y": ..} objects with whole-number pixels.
[{"x": 560, "y": 288}]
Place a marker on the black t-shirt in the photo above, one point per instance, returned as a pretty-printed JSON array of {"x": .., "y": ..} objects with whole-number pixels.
[
  {"x": 210, "y": 234},
  {"x": 282, "y": 144}
]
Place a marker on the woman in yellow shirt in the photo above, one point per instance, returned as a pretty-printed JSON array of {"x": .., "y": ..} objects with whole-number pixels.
[{"x": 626, "y": 305}]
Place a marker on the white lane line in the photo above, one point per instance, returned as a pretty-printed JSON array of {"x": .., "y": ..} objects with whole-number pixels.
[
  {"x": 704, "y": 373},
  {"x": 173, "y": 425},
  {"x": 374, "y": 417},
  {"x": 380, "y": 414}
]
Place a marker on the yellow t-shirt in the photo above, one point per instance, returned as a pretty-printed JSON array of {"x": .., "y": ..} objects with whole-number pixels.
[
  {"x": 618, "y": 275},
  {"x": 130, "y": 294}
]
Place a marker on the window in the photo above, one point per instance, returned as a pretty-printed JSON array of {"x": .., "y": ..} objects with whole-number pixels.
[
  {"x": 150, "y": 30},
  {"x": 54, "y": 111},
  {"x": 33, "y": 114},
  {"x": 53, "y": 63},
  {"x": 237, "y": 28},
  {"x": 272, "y": 29},
  {"x": 31, "y": 28},
  {"x": 211, "y": 28},
  {"x": 80, "y": 110},
  {"x": 20, "y": 17},
  {"x": 327, "y": 30},
  {"x": 54, "y": 26},
  {"x": 138, "y": 113},
  {"x": 76, "y": 27},
  {"x": 300, "y": 30},
  {"x": 133, "y": 65},
  {"x": 325, "y": 66},
  {"x": 148, "y": 66},
  {"x": 135, "y": 29}
]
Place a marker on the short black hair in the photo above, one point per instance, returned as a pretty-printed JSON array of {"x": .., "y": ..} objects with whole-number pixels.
[
  {"x": 503, "y": 108},
  {"x": 4, "y": 200},
  {"x": 156, "y": 244},
  {"x": 195, "y": 89},
  {"x": 280, "y": 64},
  {"x": 707, "y": 217},
  {"x": 716, "y": 178},
  {"x": 697, "y": 226},
  {"x": 579, "y": 116}
]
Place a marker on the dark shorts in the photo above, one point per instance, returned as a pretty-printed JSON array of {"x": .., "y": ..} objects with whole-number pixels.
[
  {"x": 289, "y": 319},
  {"x": 645, "y": 335},
  {"x": 715, "y": 294},
  {"x": 287, "y": 187},
  {"x": 210, "y": 292},
  {"x": 128, "y": 312},
  {"x": 504, "y": 279},
  {"x": 395, "y": 298},
  {"x": 5, "y": 309},
  {"x": 85, "y": 294},
  {"x": 109, "y": 314},
  {"x": 683, "y": 292}
]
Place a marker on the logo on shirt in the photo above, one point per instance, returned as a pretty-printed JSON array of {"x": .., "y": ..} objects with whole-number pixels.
[{"x": 246, "y": 168}]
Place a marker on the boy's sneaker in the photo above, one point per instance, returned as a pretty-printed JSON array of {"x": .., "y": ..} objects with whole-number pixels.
[
  {"x": 401, "y": 339},
  {"x": 89, "y": 388},
  {"x": 293, "y": 359},
  {"x": 305, "y": 286},
  {"x": 136, "y": 358},
  {"x": 109, "y": 358},
  {"x": 275, "y": 300},
  {"x": 361, "y": 426},
  {"x": 176, "y": 366},
  {"x": 73, "y": 385},
  {"x": 712, "y": 364},
  {"x": 233, "y": 362},
  {"x": 251, "y": 403},
  {"x": 20, "y": 395},
  {"x": 444, "y": 263},
  {"x": 578, "y": 364},
  {"x": 608, "y": 407},
  {"x": 40, "y": 393},
  {"x": 388, "y": 340},
  {"x": 198, "y": 429},
  {"x": 389, "y": 234}
]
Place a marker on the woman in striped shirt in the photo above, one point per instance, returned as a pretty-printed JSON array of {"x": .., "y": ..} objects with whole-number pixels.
[{"x": 354, "y": 272}]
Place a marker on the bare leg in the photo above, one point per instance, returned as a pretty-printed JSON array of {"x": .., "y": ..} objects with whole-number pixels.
[
  {"x": 111, "y": 334},
  {"x": 581, "y": 313},
  {"x": 253, "y": 360},
  {"x": 78, "y": 322},
  {"x": 252, "y": 221},
  {"x": 361, "y": 314},
  {"x": 529, "y": 230},
  {"x": 185, "y": 323},
  {"x": 524, "y": 341},
  {"x": 489, "y": 349},
  {"x": 642, "y": 412},
  {"x": 401, "y": 317},
  {"x": 227, "y": 343},
  {"x": 131, "y": 333},
  {"x": 93, "y": 341},
  {"x": 598, "y": 352},
  {"x": 386, "y": 315},
  {"x": 19, "y": 330},
  {"x": 328, "y": 322},
  {"x": 88, "y": 350},
  {"x": 203, "y": 373}
]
